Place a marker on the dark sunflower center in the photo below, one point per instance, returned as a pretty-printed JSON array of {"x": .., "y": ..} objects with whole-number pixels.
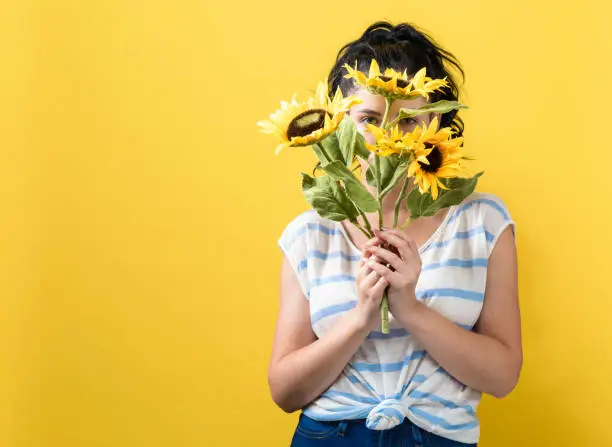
[
  {"x": 306, "y": 123},
  {"x": 435, "y": 161},
  {"x": 400, "y": 82}
]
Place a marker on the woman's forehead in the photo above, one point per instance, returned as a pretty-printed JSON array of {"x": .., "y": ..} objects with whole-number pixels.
[{"x": 377, "y": 102}]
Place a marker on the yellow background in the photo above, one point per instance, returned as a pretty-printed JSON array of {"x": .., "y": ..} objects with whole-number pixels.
[{"x": 141, "y": 209}]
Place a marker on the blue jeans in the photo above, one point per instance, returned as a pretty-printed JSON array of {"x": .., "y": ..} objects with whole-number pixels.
[{"x": 311, "y": 433}]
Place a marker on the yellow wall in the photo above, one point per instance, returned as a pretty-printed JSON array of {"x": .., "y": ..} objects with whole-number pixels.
[{"x": 141, "y": 208}]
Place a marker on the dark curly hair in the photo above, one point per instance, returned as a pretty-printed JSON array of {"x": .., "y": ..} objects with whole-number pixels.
[{"x": 401, "y": 47}]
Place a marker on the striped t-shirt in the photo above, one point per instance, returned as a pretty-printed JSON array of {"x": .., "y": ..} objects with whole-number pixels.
[{"x": 391, "y": 377}]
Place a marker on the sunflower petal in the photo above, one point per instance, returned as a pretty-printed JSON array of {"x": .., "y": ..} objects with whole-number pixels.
[
  {"x": 266, "y": 126},
  {"x": 412, "y": 169},
  {"x": 425, "y": 182},
  {"x": 374, "y": 69},
  {"x": 279, "y": 148},
  {"x": 434, "y": 190},
  {"x": 432, "y": 129},
  {"x": 321, "y": 94},
  {"x": 376, "y": 131},
  {"x": 418, "y": 78}
]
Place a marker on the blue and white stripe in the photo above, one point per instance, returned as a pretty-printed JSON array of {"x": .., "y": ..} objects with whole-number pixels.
[{"x": 391, "y": 377}]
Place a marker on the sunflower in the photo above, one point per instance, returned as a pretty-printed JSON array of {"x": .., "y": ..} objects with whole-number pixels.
[
  {"x": 389, "y": 141},
  {"x": 394, "y": 85},
  {"x": 305, "y": 123},
  {"x": 424, "y": 85},
  {"x": 437, "y": 155}
]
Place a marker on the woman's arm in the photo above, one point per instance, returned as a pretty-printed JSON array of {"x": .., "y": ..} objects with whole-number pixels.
[
  {"x": 489, "y": 359},
  {"x": 302, "y": 367}
]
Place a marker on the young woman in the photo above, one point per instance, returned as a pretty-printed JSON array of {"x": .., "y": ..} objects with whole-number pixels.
[{"x": 455, "y": 324}]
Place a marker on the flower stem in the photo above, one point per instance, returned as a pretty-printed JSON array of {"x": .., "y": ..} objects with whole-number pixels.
[
  {"x": 388, "y": 103},
  {"x": 400, "y": 199},
  {"x": 363, "y": 230},
  {"x": 406, "y": 222},
  {"x": 323, "y": 151},
  {"x": 383, "y": 124},
  {"x": 378, "y": 190},
  {"x": 384, "y": 313},
  {"x": 366, "y": 223},
  {"x": 384, "y": 306}
]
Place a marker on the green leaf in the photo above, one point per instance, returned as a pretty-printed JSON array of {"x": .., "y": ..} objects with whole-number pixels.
[
  {"x": 443, "y": 106},
  {"x": 347, "y": 136},
  {"x": 342, "y": 145},
  {"x": 371, "y": 175},
  {"x": 354, "y": 188},
  {"x": 332, "y": 149},
  {"x": 422, "y": 205},
  {"x": 328, "y": 198},
  {"x": 392, "y": 169},
  {"x": 361, "y": 150},
  {"x": 398, "y": 174},
  {"x": 351, "y": 141},
  {"x": 388, "y": 165}
]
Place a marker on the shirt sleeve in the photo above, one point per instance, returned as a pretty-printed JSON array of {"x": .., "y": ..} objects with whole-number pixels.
[
  {"x": 496, "y": 218},
  {"x": 294, "y": 244}
]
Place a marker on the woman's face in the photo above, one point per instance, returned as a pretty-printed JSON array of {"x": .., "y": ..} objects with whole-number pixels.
[{"x": 372, "y": 110}]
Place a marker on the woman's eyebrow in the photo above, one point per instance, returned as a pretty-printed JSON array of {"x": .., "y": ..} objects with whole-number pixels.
[{"x": 369, "y": 111}]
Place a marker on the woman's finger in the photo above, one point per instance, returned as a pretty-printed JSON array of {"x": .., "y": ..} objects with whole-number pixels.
[
  {"x": 407, "y": 247},
  {"x": 410, "y": 241},
  {"x": 387, "y": 257},
  {"x": 369, "y": 255},
  {"x": 383, "y": 271},
  {"x": 363, "y": 271},
  {"x": 413, "y": 245},
  {"x": 370, "y": 279},
  {"x": 392, "y": 236},
  {"x": 400, "y": 234},
  {"x": 393, "y": 239},
  {"x": 378, "y": 288},
  {"x": 371, "y": 243}
]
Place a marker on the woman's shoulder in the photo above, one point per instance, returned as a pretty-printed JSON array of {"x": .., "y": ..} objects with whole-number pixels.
[
  {"x": 305, "y": 220},
  {"x": 483, "y": 213},
  {"x": 305, "y": 226},
  {"x": 486, "y": 199},
  {"x": 483, "y": 205}
]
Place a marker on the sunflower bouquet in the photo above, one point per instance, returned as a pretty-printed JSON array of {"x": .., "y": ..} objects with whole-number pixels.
[{"x": 427, "y": 157}]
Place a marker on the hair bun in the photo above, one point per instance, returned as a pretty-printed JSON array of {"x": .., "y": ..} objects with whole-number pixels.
[
  {"x": 379, "y": 34},
  {"x": 407, "y": 33},
  {"x": 383, "y": 33}
]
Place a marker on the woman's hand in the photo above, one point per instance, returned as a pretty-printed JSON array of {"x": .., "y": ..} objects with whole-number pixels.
[
  {"x": 405, "y": 271},
  {"x": 370, "y": 288}
]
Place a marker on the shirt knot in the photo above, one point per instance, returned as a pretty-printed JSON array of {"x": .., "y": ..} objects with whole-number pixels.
[{"x": 387, "y": 414}]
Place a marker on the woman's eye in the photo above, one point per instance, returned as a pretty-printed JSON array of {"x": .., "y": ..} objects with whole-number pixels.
[
  {"x": 369, "y": 120},
  {"x": 408, "y": 124}
]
